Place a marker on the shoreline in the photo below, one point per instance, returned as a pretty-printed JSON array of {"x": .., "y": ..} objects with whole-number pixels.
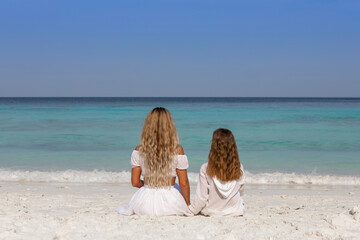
[
  {"x": 87, "y": 211},
  {"x": 101, "y": 176}
]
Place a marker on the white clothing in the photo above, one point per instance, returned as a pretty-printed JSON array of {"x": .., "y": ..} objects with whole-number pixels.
[
  {"x": 215, "y": 197},
  {"x": 152, "y": 201},
  {"x": 179, "y": 162},
  {"x": 157, "y": 201}
]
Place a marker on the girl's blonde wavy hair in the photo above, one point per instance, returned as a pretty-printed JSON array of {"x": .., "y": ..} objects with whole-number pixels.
[
  {"x": 158, "y": 145},
  {"x": 224, "y": 162}
]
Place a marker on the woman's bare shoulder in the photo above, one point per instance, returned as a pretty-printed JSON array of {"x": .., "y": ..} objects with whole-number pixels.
[{"x": 180, "y": 150}]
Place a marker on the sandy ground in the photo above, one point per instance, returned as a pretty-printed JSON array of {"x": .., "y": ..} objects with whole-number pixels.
[{"x": 87, "y": 211}]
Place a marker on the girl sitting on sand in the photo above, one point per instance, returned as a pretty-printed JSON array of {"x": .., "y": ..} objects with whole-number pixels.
[
  {"x": 221, "y": 180},
  {"x": 159, "y": 159}
]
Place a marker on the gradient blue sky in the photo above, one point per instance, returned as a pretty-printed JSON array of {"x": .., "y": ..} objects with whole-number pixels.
[{"x": 180, "y": 48}]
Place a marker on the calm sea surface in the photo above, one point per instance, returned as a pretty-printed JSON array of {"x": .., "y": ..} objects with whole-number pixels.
[{"x": 301, "y": 135}]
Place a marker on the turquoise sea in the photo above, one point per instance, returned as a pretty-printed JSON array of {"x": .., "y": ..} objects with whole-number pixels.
[{"x": 300, "y": 135}]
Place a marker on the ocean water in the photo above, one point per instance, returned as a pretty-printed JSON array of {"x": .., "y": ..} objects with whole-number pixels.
[{"x": 301, "y": 136}]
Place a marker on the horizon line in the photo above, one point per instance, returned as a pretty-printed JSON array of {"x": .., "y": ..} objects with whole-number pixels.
[{"x": 159, "y": 97}]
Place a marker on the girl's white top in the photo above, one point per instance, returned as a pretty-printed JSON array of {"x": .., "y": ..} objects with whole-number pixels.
[
  {"x": 215, "y": 197},
  {"x": 179, "y": 162}
]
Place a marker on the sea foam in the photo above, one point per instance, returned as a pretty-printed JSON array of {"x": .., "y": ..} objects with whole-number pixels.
[{"x": 96, "y": 176}]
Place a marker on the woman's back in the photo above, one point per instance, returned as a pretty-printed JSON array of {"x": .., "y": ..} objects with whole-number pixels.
[
  {"x": 157, "y": 159},
  {"x": 178, "y": 162}
]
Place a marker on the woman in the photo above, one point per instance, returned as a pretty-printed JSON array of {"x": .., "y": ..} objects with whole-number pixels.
[
  {"x": 221, "y": 180},
  {"x": 159, "y": 159}
]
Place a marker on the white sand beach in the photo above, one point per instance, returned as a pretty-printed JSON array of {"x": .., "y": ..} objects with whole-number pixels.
[{"x": 35, "y": 210}]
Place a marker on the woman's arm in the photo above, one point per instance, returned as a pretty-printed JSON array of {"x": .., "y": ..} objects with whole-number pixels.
[
  {"x": 135, "y": 177},
  {"x": 136, "y": 172},
  {"x": 184, "y": 185},
  {"x": 183, "y": 179}
]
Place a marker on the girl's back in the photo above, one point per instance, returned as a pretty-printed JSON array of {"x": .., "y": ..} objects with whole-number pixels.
[
  {"x": 215, "y": 197},
  {"x": 221, "y": 180}
]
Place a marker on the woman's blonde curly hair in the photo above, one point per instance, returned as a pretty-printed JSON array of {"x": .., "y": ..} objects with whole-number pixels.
[
  {"x": 224, "y": 162},
  {"x": 159, "y": 144}
]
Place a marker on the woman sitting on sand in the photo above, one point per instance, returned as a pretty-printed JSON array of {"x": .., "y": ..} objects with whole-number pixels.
[
  {"x": 159, "y": 159},
  {"x": 221, "y": 180}
]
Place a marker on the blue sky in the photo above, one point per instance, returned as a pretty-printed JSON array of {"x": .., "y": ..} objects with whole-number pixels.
[{"x": 180, "y": 48}]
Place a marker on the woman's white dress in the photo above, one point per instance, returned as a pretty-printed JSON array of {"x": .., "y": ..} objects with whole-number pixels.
[{"x": 161, "y": 201}]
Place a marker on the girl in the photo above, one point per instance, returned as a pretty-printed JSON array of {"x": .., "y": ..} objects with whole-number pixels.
[
  {"x": 159, "y": 159},
  {"x": 221, "y": 180}
]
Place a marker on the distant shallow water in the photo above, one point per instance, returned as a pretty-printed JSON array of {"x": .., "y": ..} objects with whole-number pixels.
[{"x": 300, "y": 135}]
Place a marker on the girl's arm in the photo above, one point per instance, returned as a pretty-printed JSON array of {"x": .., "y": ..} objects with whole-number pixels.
[
  {"x": 202, "y": 192},
  {"x": 184, "y": 184},
  {"x": 242, "y": 181},
  {"x": 135, "y": 177}
]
